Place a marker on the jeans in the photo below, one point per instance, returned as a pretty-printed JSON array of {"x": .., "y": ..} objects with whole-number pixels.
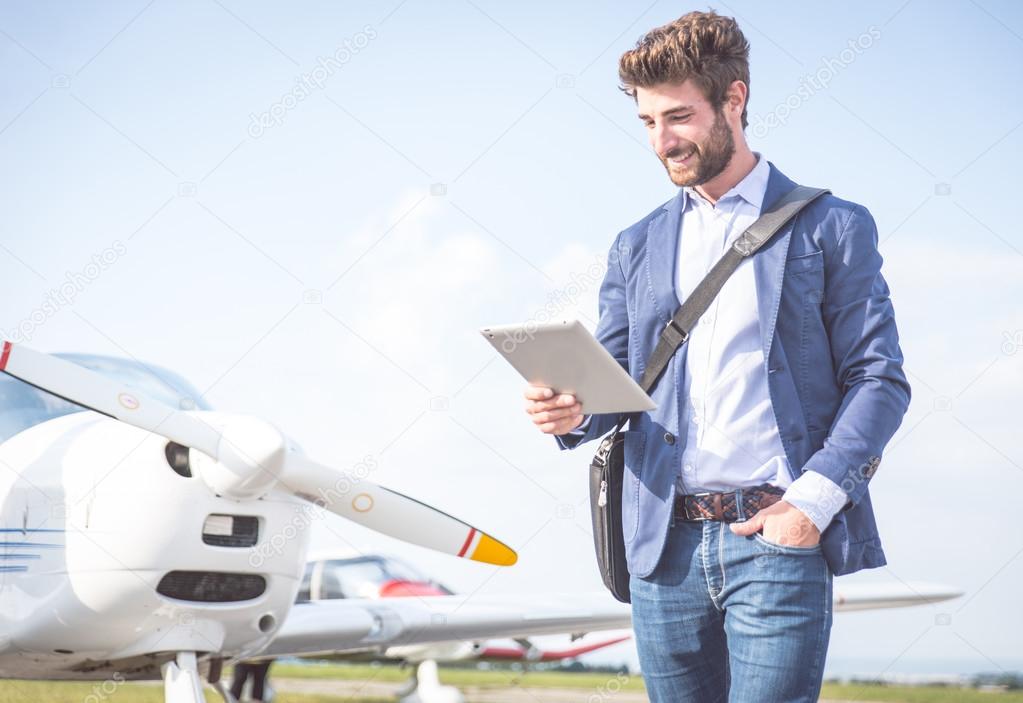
[
  {"x": 730, "y": 618},
  {"x": 257, "y": 672}
]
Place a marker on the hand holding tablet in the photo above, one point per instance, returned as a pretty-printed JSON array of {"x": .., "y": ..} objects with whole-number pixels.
[
  {"x": 551, "y": 412},
  {"x": 565, "y": 357}
]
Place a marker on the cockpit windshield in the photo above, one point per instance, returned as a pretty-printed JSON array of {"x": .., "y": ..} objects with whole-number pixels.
[{"x": 23, "y": 406}]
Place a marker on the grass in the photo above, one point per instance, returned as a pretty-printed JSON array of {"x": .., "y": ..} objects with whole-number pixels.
[
  {"x": 917, "y": 694},
  {"x": 593, "y": 681},
  {"x": 461, "y": 677},
  {"x": 68, "y": 692}
]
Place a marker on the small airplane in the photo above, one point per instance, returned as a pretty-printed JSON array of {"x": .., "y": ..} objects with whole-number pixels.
[
  {"x": 129, "y": 513},
  {"x": 336, "y": 574},
  {"x": 344, "y": 573}
]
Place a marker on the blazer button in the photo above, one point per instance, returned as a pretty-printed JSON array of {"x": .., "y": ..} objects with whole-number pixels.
[{"x": 669, "y": 438}]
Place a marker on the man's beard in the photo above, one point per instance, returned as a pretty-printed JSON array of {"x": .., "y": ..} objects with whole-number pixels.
[{"x": 711, "y": 159}]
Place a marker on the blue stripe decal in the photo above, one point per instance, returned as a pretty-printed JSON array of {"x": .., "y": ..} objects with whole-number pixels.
[
  {"x": 31, "y": 544},
  {"x": 28, "y": 529},
  {"x": 20, "y": 556},
  {"x": 13, "y": 568}
]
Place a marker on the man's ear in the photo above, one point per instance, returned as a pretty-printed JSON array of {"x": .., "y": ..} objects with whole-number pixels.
[{"x": 736, "y": 96}]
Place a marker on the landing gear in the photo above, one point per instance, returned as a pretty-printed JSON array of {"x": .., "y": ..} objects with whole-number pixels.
[
  {"x": 225, "y": 693},
  {"x": 425, "y": 687},
  {"x": 215, "y": 680},
  {"x": 181, "y": 682}
]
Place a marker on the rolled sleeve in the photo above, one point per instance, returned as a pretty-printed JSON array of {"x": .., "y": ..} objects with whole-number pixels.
[{"x": 817, "y": 496}]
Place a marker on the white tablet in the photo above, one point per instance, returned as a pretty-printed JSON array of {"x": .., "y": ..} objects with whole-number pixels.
[{"x": 564, "y": 356}]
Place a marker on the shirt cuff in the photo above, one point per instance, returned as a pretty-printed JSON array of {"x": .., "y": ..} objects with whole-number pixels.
[{"x": 817, "y": 496}]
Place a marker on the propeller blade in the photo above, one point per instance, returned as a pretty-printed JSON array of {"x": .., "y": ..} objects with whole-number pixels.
[
  {"x": 81, "y": 386},
  {"x": 245, "y": 459},
  {"x": 391, "y": 513}
]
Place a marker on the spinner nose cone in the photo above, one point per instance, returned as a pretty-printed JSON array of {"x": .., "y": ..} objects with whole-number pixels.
[{"x": 249, "y": 459}]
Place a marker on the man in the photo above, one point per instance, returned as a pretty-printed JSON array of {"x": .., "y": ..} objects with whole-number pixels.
[
  {"x": 746, "y": 488},
  {"x": 256, "y": 672}
]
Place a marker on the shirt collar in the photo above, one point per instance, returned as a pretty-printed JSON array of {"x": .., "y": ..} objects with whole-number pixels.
[{"x": 751, "y": 188}]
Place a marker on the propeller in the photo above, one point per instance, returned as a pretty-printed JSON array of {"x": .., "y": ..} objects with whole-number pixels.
[{"x": 243, "y": 458}]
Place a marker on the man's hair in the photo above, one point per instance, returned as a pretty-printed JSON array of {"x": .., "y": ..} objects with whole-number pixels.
[{"x": 704, "y": 46}]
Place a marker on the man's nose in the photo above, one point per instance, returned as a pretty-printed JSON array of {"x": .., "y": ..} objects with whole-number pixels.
[{"x": 662, "y": 139}]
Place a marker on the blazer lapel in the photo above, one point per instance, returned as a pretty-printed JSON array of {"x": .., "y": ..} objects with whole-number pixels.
[
  {"x": 769, "y": 261},
  {"x": 661, "y": 256}
]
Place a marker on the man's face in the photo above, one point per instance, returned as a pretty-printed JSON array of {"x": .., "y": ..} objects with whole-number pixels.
[{"x": 692, "y": 139}]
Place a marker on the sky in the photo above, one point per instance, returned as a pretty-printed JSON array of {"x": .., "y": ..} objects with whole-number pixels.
[{"x": 309, "y": 209}]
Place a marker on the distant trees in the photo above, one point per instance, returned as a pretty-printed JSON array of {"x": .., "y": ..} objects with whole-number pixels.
[{"x": 1006, "y": 680}]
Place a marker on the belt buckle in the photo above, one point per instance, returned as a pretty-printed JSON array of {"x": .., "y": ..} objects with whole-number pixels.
[{"x": 695, "y": 518}]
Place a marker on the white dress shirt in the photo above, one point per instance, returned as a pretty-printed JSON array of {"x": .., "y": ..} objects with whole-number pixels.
[{"x": 732, "y": 434}]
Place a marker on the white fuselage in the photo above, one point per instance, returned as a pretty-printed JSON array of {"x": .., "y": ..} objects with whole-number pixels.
[{"x": 93, "y": 517}]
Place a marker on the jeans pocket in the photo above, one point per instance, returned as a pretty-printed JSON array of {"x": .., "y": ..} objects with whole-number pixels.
[{"x": 785, "y": 548}]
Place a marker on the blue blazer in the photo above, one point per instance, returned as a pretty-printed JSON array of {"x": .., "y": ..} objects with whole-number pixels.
[{"x": 834, "y": 365}]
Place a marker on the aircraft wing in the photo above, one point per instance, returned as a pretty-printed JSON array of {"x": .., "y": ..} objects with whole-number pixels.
[
  {"x": 871, "y": 596},
  {"x": 357, "y": 624},
  {"x": 363, "y": 624},
  {"x": 494, "y": 653}
]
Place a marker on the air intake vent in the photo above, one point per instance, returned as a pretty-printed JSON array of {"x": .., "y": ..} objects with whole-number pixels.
[
  {"x": 177, "y": 457},
  {"x": 211, "y": 586},
  {"x": 230, "y": 530}
]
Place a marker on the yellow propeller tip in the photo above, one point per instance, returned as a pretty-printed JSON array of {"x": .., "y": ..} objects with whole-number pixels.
[{"x": 490, "y": 551}]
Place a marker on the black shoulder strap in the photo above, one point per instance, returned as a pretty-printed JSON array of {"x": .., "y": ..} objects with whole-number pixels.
[{"x": 676, "y": 332}]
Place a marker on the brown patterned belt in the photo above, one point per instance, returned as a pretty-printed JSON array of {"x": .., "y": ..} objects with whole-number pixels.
[{"x": 727, "y": 506}]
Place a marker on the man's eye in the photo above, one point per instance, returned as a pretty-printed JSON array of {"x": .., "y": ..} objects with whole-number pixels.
[{"x": 680, "y": 118}]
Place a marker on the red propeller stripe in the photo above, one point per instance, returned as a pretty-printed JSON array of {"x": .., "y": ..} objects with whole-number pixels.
[
  {"x": 7, "y": 353},
  {"x": 468, "y": 541}
]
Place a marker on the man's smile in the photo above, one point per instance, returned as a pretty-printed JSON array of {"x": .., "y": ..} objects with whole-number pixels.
[{"x": 682, "y": 159}]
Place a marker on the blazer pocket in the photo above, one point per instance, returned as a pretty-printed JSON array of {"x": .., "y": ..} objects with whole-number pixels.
[
  {"x": 805, "y": 263},
  {"x": 634, "y": 456},
  {"x": 816, "y": 438}
]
